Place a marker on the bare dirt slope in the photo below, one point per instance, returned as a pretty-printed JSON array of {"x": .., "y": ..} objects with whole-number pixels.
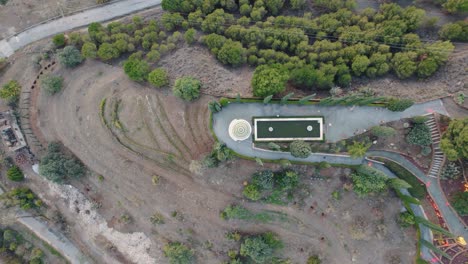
[{"x": 170, "y": 135}]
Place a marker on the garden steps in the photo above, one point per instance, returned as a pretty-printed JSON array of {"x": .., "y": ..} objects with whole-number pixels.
[{"x": 438, "y": 157}]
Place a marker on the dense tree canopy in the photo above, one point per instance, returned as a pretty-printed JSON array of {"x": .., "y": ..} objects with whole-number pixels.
[
  {"x": 320, "y": 52},
  {"x": 454, "y": 142}
]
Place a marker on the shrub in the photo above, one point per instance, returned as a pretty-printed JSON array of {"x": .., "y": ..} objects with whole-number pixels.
[
  {"x": 52, "y": 84},
  {"x": 451, "y": 171},
  {"x": 420, "y": 135},
  {"x": 15, "y": 174},
  {"x": 178, "y": 253},
  {"x": 107, "y": 52},
  {"x": 460, "y": 202},
  {"x": 70, "y": 57},
  {"x": 136, "y": 70},
  {"x": 368, "y": 180},
  {"x": 11, "y": 91},
  {"x": 158, "y": 78},
  {"x": 252, "y": 192},
  {"x": 286, "y": 180},
  {"x": 358, "y": 149},
  {"x": 455, "y": 31},
  {"x": 274, "y": 146},
  {"x": 383, "y": 131},
  {"x": 314, "y": 260},
  {"x": 419, "y": 119},
  {"x": 153, "y": 56},
  {"x": 398, "y": 184},
  {"x": 223, "y": 101},
  {"x": 232, "y": 53},
  {"x": 190, "y": 36},
  {"x": 187, "y": 88},
  {"x": 260, "y": 248},
  {"x": 263, "y": 179},
  {"x": 89, "y": 50},
  {"x": 454, "y": 142},
  {"x": 300, "y": 149},
  {"x": 269, "y": 80},
  {"x": 406, "y": 219},
  {"x": 59, "y": 40},
  {"x": 399, "y": 105}
]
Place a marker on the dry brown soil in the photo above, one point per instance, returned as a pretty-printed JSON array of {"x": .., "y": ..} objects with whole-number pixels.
[{"x": 170, "y": 136}]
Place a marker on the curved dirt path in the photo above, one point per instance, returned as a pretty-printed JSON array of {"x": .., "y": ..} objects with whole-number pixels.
[{"x": 99, "y": 14}]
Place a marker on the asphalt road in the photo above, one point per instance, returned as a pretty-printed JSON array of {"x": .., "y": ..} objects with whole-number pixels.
[{"x": 99, "y": 14}]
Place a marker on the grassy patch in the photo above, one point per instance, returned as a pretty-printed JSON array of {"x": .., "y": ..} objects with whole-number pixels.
[
  {"x": 242, "y": 213},
  {"x": 102, "y": 111}
]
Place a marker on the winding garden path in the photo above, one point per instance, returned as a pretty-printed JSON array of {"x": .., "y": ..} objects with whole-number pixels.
[{"x": 341, "y": 122}]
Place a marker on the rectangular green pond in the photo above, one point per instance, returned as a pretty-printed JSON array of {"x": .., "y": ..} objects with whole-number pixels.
[{"x": 288, "y": 128}]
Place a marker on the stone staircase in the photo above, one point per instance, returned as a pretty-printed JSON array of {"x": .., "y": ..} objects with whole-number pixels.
[{"x": 438, "y": 157}]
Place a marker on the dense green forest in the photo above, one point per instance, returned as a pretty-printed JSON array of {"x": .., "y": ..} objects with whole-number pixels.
[{"x": 312, "y": 52}]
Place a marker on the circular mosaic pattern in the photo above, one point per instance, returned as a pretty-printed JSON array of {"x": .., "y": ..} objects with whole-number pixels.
[
  {"x": 309, "y": 128},
  {"x": 270, "y": 129},
  {"x": 239, "y": 129}
]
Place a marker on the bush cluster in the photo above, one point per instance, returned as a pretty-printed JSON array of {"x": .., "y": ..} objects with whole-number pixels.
[
  {"x": 23, "y": 197},
  {"x": 16, "y": 249},
  {"x": 271, "y": 186},
  {"x": 367, "y": 180},
  {"x": 220, "y": 153}
]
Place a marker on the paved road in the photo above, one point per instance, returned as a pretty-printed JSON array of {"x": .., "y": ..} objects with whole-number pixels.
[
  {"x": 56, "y": 240},
  {"x": 100, "y": 14},
  {"x": 59, "y": 242}
]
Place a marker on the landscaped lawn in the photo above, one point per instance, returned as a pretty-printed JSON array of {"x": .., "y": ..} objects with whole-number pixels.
[{"x": 288, "y": 128}]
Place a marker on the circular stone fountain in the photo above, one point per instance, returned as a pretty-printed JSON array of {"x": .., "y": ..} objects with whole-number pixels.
[{"x": 239, "y": 129}]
